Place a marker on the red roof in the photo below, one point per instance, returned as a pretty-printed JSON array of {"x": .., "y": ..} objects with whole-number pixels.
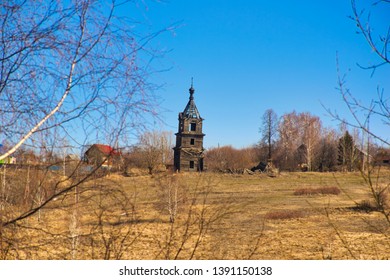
[{"x": 105, "y": 149}]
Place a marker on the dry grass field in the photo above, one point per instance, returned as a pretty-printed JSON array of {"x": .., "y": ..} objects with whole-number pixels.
[{"x": 207, "y": 216}]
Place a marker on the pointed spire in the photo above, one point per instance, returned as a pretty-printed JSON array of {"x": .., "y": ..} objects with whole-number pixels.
[
  {"x": 191, "y": 111},
  {"x": 192, "y": 90}
]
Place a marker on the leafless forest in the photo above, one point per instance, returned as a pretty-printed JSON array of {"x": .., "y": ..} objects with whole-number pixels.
[{"x": 304, "y": 191}]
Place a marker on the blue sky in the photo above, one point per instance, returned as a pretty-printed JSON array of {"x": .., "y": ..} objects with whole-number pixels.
[{"x": 248, "y": 56}]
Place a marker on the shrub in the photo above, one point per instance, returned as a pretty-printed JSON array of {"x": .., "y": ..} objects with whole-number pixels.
[
  {"x": 329, "y": 190},
  {"x": 364, "y": 206},
  {"x": 305, "y": 191},
  {"x": 230, "y": 160},
  {"x": 284, "y": 214}
]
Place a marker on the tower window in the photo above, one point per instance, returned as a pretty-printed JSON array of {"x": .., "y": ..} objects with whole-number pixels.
[
  {"x": 192, "y": 126},
  {"x": 192, "y": 164},
  {"x": 192, "y": 141}
]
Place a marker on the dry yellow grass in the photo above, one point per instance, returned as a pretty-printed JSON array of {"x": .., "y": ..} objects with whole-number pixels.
[{"x": 218, "y": 217}]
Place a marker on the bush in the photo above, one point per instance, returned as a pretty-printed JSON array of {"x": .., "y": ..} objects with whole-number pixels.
[
  {"x": 365, "y": 206},
  {"x": 230, "y": 160},
  {"x": 329, "y": 190},
  {"x": 305, "y": 191}
]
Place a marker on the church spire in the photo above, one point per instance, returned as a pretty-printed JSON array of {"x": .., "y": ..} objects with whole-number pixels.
[
  {"x": 192, "y": 90},
  {"x": 189, "y": 151},
  {"x": 191, "y": 111}
]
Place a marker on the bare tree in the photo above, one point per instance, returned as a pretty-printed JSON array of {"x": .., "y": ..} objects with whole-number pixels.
[
  {"x": 186, "y": 233},
  {"x": 173, "y": 194},
  {"x": 379, "y": 43},
  {"x": 229, "y": 159},
  {"x": 378, "y": 39},
  {"x": 269, "y": 130},
  {"x": 326, "y": 158},
  {"x": 156, "y": 149},
  {"x": 312, "y": 130},
  {"x": 300, "y": 135},
  {"x": 71, "y": 65},
  {"x": 71, "y": 70},
  {"x": 289, "y": 140}
]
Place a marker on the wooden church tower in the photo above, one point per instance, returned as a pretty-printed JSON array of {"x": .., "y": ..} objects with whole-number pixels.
[{"x": 189, "y": 151}]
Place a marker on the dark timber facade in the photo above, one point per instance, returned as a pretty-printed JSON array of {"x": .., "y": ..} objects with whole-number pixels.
[{"x": 188, "y": 153}]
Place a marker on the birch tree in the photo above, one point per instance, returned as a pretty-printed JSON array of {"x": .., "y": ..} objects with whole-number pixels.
[
  {"x": 73, "y": 69},
  {"x": 300, "y": 135},
  {"x": 289, "y": 139},
  {"x": 72, "y": 65},
  {"x": 311, "y": 132}
]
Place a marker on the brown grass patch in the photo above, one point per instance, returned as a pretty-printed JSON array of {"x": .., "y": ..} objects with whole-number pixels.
[
  {"x": 317, "y": 191},
  {"x": 249, "y": 217},
  {"x": 284, "y": 214}
]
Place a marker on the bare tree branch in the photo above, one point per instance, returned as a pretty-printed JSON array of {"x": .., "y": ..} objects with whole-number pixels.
[{"x": 68, "y": 65}]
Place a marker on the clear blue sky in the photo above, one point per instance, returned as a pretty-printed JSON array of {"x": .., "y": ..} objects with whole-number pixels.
[{"x": 248, "y": 56}]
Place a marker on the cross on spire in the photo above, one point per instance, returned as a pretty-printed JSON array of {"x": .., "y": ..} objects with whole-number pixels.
[{"x": 192, "y": 90}]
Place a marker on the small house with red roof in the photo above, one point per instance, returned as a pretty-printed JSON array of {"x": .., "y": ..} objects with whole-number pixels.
[{"x": 102, "y": 155}]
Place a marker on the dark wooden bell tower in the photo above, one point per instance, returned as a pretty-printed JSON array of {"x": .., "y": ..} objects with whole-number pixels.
[{"x": 189, "y": 151}]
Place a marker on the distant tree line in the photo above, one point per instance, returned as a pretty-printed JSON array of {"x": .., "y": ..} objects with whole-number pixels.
[
  {"x": 299, "y": 141},
  {"x": 293, "y": 142}
]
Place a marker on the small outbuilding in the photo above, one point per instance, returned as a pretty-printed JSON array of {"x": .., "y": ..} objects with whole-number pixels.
[{"x": 102, "y": 155}]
